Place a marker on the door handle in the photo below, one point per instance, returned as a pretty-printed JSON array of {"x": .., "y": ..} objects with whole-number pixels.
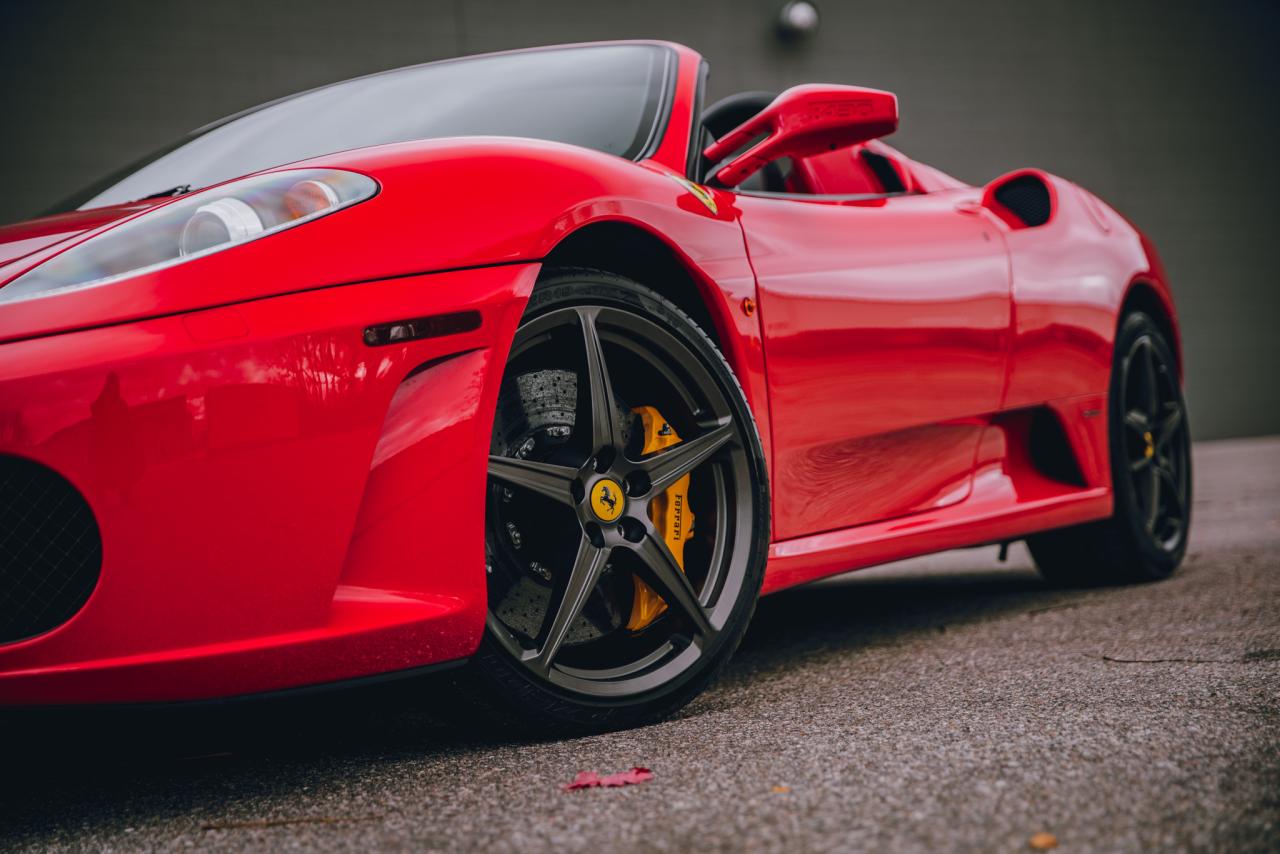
[{"x": 969, "y": 206}]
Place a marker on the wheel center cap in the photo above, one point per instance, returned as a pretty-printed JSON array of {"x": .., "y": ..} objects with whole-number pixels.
[
  {"x": 1150, "y": 450},
  {"x": 607, "y": 500}
]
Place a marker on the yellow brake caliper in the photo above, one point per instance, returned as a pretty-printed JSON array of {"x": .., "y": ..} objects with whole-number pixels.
[{"x": 670, "y": 513}]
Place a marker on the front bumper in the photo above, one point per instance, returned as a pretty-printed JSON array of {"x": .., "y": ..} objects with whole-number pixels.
[{"x": 280, "y": 503}]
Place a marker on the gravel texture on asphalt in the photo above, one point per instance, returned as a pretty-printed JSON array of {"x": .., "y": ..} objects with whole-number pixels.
[{"x": 948, "y": 703}]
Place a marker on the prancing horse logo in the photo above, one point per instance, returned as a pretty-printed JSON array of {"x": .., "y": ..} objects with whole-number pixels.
[{"x": 606, "y": 500}]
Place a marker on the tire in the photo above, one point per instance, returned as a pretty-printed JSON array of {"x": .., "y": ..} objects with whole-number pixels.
[
  {"x": 568, "y": 647},
  {"x": 1145, "y": 538}
]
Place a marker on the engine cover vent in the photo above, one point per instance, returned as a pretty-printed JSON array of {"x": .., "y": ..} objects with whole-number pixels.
[{"x": 50, "y": 549}]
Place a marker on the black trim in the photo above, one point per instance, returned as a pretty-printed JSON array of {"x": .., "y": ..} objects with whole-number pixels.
[
  {"x": 694, "y": 157},
  {"x": 662, "y": 115},
  {"x": 1050, "y": 449},
  {"x": 885, "y": 172},
  {"x": 816, "y": 197},
  {"x": 296, "y": 692}
]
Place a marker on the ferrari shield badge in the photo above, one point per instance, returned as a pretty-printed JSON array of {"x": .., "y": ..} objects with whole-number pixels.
[{"x": 699, "y": 192}]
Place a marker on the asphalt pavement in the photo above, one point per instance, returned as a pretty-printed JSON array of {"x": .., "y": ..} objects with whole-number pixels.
[{"x": 948, "y": 703}]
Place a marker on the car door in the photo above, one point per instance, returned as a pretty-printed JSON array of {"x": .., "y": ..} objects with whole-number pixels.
[{"x": 886, "y": 325}]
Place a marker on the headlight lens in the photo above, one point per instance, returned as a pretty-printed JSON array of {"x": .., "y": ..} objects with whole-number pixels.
[{"x": 201, "y": 224}]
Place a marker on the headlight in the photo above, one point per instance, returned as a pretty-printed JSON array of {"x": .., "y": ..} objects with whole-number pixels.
[{"x": 197, "y": 225}]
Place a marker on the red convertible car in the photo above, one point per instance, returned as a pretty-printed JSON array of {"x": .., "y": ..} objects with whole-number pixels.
[{"x": 533, "y": 364}]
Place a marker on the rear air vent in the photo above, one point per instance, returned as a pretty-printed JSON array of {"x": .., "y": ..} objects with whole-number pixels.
[
  {"x": 1051, "y": 450},
  {"x": 50, "y": 551},
  {"x": 1027, "y": 198}
]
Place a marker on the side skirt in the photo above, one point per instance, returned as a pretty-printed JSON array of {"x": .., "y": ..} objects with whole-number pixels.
[{"x": 1018, "y": 489}]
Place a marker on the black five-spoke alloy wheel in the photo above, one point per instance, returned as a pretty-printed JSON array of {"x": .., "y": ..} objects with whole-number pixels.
[
  {"x": 627, "y": 512},
  {"x": 1155, "y": 442}
]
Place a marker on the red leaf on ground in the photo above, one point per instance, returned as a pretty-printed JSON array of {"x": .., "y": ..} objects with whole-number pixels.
[
  {"x": 584, "y": 780},
  {"x": 627, "y": 778},
  {"x": 590, "y": 779}
]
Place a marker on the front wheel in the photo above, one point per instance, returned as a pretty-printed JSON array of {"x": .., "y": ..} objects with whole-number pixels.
[
  {"x": 627, "y": 517},
  {"x": 1146, "y": 537}
]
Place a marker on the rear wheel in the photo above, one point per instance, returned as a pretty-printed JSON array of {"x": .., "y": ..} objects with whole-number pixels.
[
  {"x": 1146, "y": 537},
  {"x": 627, "y": 515}
]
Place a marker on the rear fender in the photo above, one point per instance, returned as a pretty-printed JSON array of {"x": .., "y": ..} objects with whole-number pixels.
[{"x": 1070, "y": 274}]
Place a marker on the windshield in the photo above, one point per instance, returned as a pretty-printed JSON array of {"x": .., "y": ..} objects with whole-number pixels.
[{"x": 607, "y": 98}]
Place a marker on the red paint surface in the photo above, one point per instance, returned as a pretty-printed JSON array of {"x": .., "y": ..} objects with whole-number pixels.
[
  {"x": 886, "y": 328},
  {"x": 282, "y": 505}
]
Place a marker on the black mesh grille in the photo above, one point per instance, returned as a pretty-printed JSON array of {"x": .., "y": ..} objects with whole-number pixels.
[
  {"x": 50, "y": 551},
  {"x": 1028, "y": 198}
]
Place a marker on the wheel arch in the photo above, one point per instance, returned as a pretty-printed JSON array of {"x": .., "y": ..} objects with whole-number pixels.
[{"x": 627, "y": 248}]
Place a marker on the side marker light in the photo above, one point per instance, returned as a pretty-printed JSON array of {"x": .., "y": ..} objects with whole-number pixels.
[{"x": 422, "y": 327}]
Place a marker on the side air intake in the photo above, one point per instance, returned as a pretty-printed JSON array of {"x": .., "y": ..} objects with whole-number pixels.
[
  {"x": 1027, "y": 199},
  {"x": 50, "y": 550}
]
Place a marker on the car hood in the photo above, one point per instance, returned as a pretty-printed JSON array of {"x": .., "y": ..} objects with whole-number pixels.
[{"x": 21, "y": 239}]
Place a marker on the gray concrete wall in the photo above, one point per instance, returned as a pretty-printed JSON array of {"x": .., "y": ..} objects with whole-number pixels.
[{"x": 1167, "y": 109}]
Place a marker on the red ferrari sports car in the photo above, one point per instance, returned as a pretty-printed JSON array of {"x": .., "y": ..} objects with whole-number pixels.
[{"x": 533, "y": 364}]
